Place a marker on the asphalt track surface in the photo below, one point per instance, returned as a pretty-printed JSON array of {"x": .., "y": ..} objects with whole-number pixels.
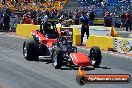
[{"x": 16, "y": 72}]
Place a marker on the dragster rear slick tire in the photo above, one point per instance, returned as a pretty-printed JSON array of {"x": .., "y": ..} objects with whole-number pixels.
[
  {"x": 30, "y": 50},
  {"x": 95, "y": 56}
]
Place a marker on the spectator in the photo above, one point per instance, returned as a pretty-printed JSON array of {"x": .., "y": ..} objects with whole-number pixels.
[
  {"x": 34, "y": 21},
  {"x": 45, "y": 18},
  {"x": 13, "y": 22},
  {"x": 54, "y": 13},
  {"x": 113, "y": 19},
  {"x": 123, "y": 19},
  {"x": 33, "y": 13},
  {"x": 128, "y": 21},
  {"x": 70, "y": 15},
  {"x": 85, "y": 26},
  {"x": 91, "y": 18},
  {"x": 27, "y": 19},
  {"x": 61, "y": 18},
  {"x": 108, "y": 19},
  {"x": 39, "y": 19},
  {"x": 76, "y": 19},
  {"x": 6, "y": 21},
  {"x": 1, "y": 21},
  {"x": 51, "y": 15}
]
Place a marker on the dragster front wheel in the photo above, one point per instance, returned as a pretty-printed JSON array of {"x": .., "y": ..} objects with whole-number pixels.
[
  {"x": 95, "y": 56},
  {"x": 57, "y": 59}
]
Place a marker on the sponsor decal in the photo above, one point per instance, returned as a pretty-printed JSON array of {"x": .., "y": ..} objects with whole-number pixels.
[
  {"x": 104, "y": 79},
  {"x": 125, "y": 46}
]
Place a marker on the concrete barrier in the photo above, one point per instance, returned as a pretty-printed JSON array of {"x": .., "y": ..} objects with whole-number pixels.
[
  {"x": 104, "y": 42},
  {"x": 110, "y": 43},
  {"x": 89, "y": 42},
  {"x": 94, "y": 30},
  {"x": 121, "y": 45},
  {"x": 76, "y": 37},
  {"x": 26, "y": 29},
  {"x": 99, "y": 30}
]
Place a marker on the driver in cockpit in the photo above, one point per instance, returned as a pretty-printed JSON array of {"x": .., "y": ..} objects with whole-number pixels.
[
  {"x": 45, "y": 27},
  {"x": 48, "y": 28}
]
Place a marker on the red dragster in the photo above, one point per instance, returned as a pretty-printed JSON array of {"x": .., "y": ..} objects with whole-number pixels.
[{"x": 57, "y": 49}]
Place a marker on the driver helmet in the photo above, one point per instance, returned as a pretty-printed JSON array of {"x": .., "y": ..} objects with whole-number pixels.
[{"x": 47, "y": 25}]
